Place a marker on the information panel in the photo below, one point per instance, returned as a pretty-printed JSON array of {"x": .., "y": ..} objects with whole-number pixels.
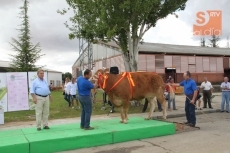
[
  {"x": 3, "y": 92},
  {"x": 17, "y": 91}
]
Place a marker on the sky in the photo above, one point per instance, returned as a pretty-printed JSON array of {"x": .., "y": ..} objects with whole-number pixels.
[{"x": 47, "y": 27}]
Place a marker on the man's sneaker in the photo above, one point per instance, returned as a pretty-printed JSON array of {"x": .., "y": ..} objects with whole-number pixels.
[
  {"x": 82, "y": 127},
  {"x": 39, "y": 129},
  {"x": 89, "y": 128},
  {"x": 227, "y": 111},
  {"x": 221, "y": 111},
  {"x": 192, "y": 125},
  {"x": 46, "y": 127}
]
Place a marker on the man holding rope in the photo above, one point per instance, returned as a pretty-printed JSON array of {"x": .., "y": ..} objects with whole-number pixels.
[{"x": 190, "y": 90}]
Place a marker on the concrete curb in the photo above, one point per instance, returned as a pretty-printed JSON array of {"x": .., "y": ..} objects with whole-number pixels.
[{"x": 198, "y": 112}]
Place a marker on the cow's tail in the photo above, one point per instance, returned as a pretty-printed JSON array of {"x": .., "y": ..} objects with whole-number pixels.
[{"x": 171, "y": 93}]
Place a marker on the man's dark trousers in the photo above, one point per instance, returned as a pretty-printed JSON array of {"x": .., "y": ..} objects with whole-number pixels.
[
  {"x": 67, "y": 98},
  {"x": 86, "y": 112},
  {"x": 207, "y": 98},
  {"x": 190, "y": 110}
]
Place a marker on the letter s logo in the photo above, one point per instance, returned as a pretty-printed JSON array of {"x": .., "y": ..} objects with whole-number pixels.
[{"x": 202, "y": 18}]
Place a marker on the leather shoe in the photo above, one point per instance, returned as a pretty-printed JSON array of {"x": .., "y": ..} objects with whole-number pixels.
[
  {"x": 89, "y": 128},
  {"x": 192, "y": 125},
  {"x": 46, "y": 127}
]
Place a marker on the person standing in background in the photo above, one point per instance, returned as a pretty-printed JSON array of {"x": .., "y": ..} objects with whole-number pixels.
[
  {"x": 67, "y": 91},
  {"x": 167, "y": 81},
  {"x": 171, "y": 99},
  {"x": 225, "y": 86},
  {"x": 84, "y": 90},
  {"x": 207, "y": 88},
  {"x": 73, "y": 92},
  {"x": 198, "y": 99},
  {"x": 41, "y": 97}
]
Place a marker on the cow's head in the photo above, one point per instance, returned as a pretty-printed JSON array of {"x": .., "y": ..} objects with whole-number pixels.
[{"x": 100, "y": 75}]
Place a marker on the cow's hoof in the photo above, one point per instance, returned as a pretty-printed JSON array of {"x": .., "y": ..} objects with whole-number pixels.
[
  {"x": 147, "y": 118},
  {"x": 125, "y": 122},
  {"x": 121, "y": 121}
]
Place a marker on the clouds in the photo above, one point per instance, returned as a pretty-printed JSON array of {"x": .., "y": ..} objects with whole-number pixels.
[
  {"x": 179, "y": 30},
  {"x": 47, "y": 27}
]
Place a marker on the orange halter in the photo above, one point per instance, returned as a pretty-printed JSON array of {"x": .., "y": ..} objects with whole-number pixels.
[{"x": 125, "y": 74}]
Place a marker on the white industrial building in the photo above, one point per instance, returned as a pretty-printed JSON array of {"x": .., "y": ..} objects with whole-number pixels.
[{"x": 54, "y": 77}]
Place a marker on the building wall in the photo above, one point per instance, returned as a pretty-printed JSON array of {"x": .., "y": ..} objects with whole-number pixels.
[
  {"x": 55, "y": 78},
  {"x": 198, "y": 64}
]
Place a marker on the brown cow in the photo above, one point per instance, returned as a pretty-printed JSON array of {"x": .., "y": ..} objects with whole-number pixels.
[{"x": 122, "y": 88}]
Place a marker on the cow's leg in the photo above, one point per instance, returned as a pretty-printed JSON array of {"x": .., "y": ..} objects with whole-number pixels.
[
  {"x": 126, "y": 109},
  {"x": 152, "y": 103},
  {"x": 122, "y": 115}
]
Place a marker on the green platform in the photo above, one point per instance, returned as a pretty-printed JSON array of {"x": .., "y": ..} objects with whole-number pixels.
[{"x": 70, "y": 136}]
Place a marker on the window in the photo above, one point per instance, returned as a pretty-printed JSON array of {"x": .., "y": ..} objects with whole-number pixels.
[
  {"x": 58, "y": 83},
  {"x": 52, "y": 81}
]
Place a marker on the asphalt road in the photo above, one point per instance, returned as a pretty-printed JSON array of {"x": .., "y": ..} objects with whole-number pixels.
[{"x": 211, "y": 138}]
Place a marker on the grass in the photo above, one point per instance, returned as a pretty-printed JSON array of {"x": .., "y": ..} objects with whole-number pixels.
[{"x": 59, "y": 109}]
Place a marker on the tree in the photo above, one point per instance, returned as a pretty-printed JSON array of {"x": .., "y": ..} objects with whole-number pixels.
[
  {"x": 27, "y": 54},
  {"x": 66, "y": 75},
  {"x": 202, "y": 42},
  {"x": 214, "y": 41},
  {"x": 122, "y": 21}
]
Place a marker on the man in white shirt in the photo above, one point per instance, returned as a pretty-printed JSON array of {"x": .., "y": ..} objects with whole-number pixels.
[
  {"x": 225, "y": 86},
  {"x": 207, "y": 92},
  {"x": 73, "y": 92}
]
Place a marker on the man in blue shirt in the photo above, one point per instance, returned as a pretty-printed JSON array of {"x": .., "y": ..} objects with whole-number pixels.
[
  {"x": 84, "y": 91},
  {"x": 41, "y": 97},
  {"x": 190, "y": 90}
]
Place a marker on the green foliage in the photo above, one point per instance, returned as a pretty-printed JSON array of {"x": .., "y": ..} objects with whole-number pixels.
[
  {"x": 66, "y": 75},
  {"x": 202, "y": 42},
  {"x": 213, "y": 42},
  {"x": 122, "y": 21},
  {"x": 26, "y": 54}
]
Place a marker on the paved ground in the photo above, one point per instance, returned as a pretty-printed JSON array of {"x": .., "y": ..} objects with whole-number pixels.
[{"x": 211, "y": 138}]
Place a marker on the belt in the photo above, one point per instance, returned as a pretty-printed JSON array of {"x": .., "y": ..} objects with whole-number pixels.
[{"x": 41, "y": 95}]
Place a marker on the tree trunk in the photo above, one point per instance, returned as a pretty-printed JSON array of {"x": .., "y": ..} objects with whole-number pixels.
[{"x": 131, "y": 58}]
